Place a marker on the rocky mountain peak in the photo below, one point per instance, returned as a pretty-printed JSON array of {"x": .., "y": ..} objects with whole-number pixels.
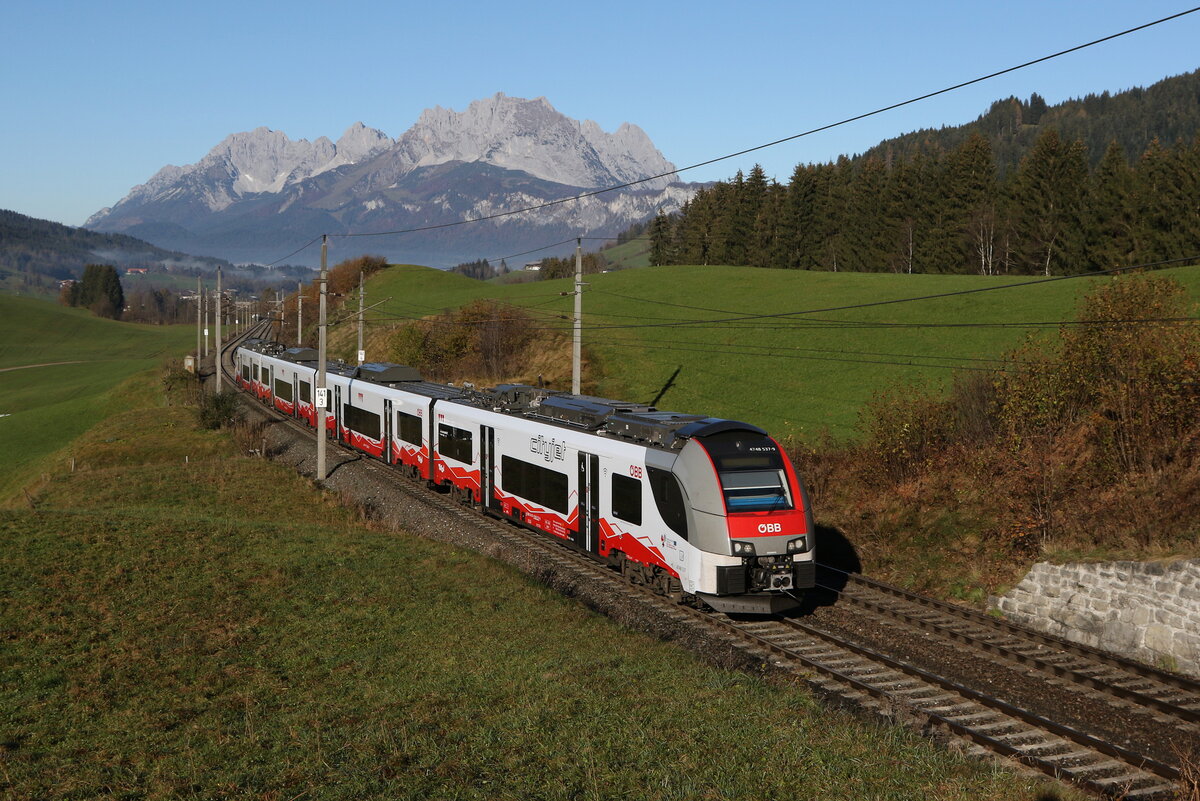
[
  {"x": 248, "y": 195},
  {"x": 532, "y": 136}
]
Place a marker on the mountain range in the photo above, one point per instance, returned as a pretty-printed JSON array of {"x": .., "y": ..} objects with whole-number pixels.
[{"x": 258, "y": 194}]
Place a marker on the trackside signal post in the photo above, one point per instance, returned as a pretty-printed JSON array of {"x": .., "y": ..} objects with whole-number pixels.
[{"x": 322, "y": 393}]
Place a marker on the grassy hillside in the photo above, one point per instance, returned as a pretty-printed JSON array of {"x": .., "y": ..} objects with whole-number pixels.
[
  {"x": 795, "y": 376},
  {"x": 216, "y": 627},
  {"x": 635, "y": 253},
  {"x": 48, "y": 406}
]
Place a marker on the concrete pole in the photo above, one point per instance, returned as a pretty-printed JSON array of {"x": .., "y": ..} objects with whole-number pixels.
[
  {"x": 577, "y": 345},
  {"x": 299, "y": 314},
  {"x": 199, "y": 314},
  {"x": 361, "y": 354},
  {"x": 218, "y": 330},
  {"x": 321, "y": 409},
  {"x": 207, "y": 303}
]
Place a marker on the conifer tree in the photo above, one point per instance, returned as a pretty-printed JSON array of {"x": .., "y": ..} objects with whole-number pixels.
[
  {"x": 1111, "y": 225},
  {"x": 1049, "y": 196},
  {"x": 100, "y": 290},
  {"x": 660, "y": 234}
]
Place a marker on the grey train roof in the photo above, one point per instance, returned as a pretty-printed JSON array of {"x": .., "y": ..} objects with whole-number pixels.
[{"x": 600, "y": 416}]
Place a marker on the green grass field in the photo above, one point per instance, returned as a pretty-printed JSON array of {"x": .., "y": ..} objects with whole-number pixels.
[
  {"x": 635, "y": 253},
  {"x": 216, "y": 628},
  {"x": 796, "y": 376},
  {"x": 48, "y": 406}
]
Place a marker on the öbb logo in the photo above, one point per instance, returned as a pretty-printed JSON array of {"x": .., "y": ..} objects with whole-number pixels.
[{"x": 770, "y": 528}]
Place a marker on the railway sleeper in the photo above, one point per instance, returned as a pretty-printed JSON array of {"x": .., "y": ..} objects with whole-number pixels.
[
  {"x": 1104, "y": 769},
  {"x": 1001, "y": 728},
  {"x": 970, "y": 720},
  {"x": 950, "y": 711}
]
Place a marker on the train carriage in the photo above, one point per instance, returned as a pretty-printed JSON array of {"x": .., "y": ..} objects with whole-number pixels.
[{"x": 708, "y": 507}]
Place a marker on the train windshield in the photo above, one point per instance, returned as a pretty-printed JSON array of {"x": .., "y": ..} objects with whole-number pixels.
[
  {"x": 751, "y": 470},
  {"x": 755, "y": 491}
]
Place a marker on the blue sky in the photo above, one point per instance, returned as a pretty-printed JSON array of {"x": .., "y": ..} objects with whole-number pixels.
[{"x": 99, "y": 96}]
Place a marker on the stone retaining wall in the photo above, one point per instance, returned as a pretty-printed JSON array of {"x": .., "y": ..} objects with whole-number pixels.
[{"x": 1145, "y": 610}]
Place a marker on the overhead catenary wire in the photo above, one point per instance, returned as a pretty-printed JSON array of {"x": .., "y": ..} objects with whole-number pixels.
[{"x": 763, "y": 146}]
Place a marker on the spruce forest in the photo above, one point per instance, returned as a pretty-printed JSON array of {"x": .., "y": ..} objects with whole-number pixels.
[{"x": 1091, "y": 184}]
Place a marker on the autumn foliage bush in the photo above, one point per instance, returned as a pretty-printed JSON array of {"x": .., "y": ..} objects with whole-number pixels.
[
  {"x": 1087, "y": 440},
  {"x": 485, "y": 340}
]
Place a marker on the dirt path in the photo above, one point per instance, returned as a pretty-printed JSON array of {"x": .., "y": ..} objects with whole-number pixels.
[{"x": 47, "y": 364}]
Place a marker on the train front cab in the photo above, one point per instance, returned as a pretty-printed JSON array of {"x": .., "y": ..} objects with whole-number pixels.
[{"x": 750, "y": 519}]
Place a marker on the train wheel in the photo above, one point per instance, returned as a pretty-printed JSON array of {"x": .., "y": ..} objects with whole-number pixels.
[{"x": 632, "y": 571}]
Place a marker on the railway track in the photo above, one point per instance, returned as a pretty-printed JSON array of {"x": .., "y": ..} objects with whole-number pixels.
[
  {"x": 1145, "y": 687},
  {"x": 839, "y": 666}
]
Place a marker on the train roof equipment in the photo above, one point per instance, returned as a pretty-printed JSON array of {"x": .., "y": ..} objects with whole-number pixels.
[
  {"x": 606, "y": 417},
  {"x": 387, "y": 373}
]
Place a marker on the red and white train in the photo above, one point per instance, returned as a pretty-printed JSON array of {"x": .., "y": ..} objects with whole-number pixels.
[{"x": 708, "y": 507}]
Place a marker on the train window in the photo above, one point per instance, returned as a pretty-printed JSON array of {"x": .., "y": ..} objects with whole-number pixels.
[
  {"x": 246, "y": 373},
  {"x": 669, "y": 498},
  {"x": 534, "y": 483},
  {"x": 409, "y": 426},
  {"x": 755, "y": 491},
  {"x": 455, "y": 443},
  {"x": 627, "y": 499},
  {"x": 265, "y": 376},
  {"x": 305, "y": 392},
  {"x": 283, "y": 390},
  {"x": 361, "y": 420}
]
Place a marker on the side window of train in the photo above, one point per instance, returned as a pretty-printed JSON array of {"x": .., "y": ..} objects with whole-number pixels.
[
  {"x": 409, "y": 426},
  {"x": 668, "y": 497},
  {"x": 535, "y": 483},
  {"x": 305, "y": 392},
  {"x": 361, "y": 420},
  {"x": 246, "y": 372},
  {"x": 627, "y": 499},
  {"x": 455, "y": 443}
]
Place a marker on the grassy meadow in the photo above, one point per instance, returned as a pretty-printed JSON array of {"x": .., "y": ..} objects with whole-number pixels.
[
  {"x": 182, "y": 620},
  {"x": 796, "y": 376},
  {"x": 85, "y": 358}
]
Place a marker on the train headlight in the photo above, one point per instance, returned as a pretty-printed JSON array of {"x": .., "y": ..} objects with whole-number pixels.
[
  {"x": 798, "y": 545},
  {"x": 743, "y": 548}
]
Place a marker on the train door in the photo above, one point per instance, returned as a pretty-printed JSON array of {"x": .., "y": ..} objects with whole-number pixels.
[
  {"x": 588, "y": 535},
  {"x": 487, "y": 467},
  {"x": 337, "y": 413},
  {"x": 387, "y": 432}
]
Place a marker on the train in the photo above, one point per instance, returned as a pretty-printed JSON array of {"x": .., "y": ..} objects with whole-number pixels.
[{"x": 705, "y": 509}]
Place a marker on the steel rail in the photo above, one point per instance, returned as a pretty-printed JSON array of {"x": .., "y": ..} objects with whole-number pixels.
[
  {"x": 1137, "y": 668},
  {"x": 1010, "y": 653}
]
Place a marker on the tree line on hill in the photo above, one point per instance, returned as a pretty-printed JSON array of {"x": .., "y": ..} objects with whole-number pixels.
[
  {"x": 1167, "y": 111},
  {"x": 949, "y": 212},
  {"x": 481, "y": 270},
  {"x": 99, "y": 290}
]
